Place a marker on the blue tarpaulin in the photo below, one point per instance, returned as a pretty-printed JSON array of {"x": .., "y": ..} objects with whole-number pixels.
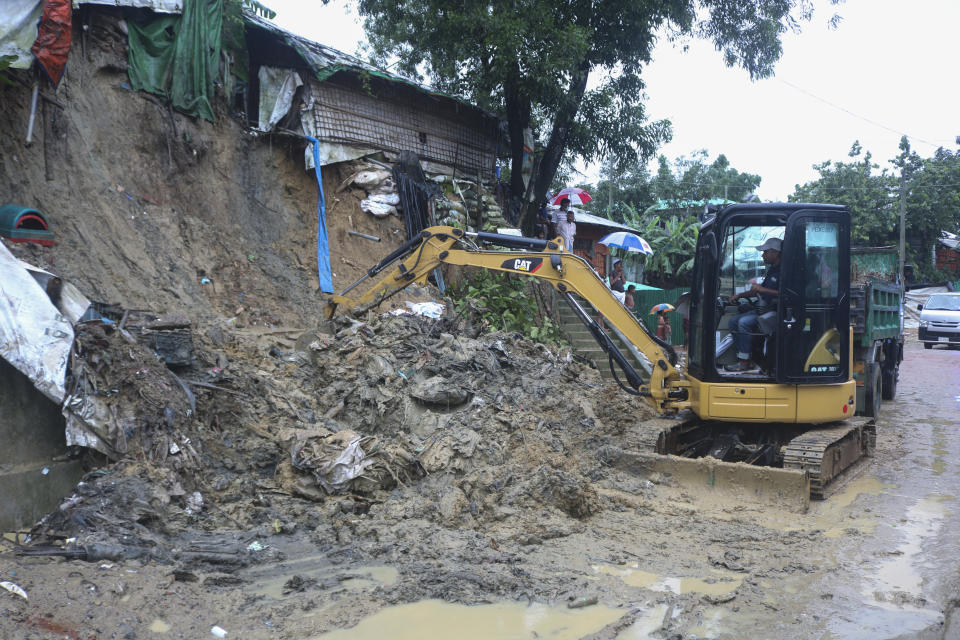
[{"x": 323, "y": 243}]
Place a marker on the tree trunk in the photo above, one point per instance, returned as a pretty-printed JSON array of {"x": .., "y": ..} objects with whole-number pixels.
[
  {"x": 518, "y": 119},
  {"x": 557, "y": 144}
]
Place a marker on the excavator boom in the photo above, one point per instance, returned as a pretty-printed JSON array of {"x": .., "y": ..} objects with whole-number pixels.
[
  {"x": 807, "y": 382},
  {"x": 566, "y": 272}
]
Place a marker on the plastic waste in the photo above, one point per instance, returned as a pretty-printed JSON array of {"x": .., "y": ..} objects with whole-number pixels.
[
  {"x": 429, "y": 309},
  {"x": 378, "y": 209},
  {"x": 14, "y": 589},
  {"x": 219, "y": 632},
  {"x": 194, "y": 502}
]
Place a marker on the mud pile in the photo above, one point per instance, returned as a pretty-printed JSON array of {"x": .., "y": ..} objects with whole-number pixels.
[{"x": 402, "y": 418}]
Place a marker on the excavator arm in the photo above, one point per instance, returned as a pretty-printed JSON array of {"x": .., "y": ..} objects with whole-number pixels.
[{"x": 566, "y": 272}]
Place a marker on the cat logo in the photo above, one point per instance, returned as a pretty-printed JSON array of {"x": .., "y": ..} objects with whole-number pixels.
[
  {"x": 824, "y": 369},
  {"x": 526, "y": 265}
]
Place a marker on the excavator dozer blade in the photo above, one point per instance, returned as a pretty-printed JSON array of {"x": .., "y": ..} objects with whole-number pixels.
[
  {"x": 715, "y": 481},
  {"x": 811, "y": 461}
]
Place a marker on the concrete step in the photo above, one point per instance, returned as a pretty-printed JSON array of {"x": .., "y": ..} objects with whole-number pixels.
[{"x": 583, "y": 343}]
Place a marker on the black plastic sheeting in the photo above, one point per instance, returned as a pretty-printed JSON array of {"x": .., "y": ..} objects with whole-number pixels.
[{"x": 416, "y": 196}]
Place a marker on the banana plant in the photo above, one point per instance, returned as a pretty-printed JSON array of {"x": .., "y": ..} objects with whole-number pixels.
[{"x": 673, "y": 240}]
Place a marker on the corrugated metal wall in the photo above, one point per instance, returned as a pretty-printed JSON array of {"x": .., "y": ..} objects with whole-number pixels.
[{"x": 643, "y": 301}]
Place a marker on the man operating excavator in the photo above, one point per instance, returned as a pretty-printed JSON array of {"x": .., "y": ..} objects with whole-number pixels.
[{"x": 744, "y": 326}]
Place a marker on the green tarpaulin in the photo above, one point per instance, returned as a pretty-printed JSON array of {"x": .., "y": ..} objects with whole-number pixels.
[{"x": 178, "y": 56}]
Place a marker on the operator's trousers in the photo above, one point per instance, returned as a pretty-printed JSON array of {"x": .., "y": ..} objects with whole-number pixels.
[{"x": 745, "y": 325}]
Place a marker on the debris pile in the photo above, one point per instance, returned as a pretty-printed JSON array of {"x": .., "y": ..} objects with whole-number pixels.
[
  {"x": 462, "y": 202},
  {"x": 403, "y": 411},
  {"x": 124, "y": 402}
]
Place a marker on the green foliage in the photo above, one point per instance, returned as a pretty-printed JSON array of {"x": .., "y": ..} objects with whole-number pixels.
[
  {"x": 5, "y": 62},
  {"x": 695, "y": 178},
  {"x": 531, "y": 59},
  {"x": 932, "y": 190},
  {"x": 871, "y": 196},
  {"x": 673, "y": 239},
  {"x": 505, "y": 303}
]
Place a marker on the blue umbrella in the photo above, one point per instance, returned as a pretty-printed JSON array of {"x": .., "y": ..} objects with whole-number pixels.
[{"x": 628, "y": 242}]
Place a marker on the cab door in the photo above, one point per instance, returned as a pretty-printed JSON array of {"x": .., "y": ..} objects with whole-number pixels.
[{"x": 813, "y": 337}]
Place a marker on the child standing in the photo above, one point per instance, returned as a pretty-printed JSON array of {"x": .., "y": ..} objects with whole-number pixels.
[{"x": 664, "y": 331}]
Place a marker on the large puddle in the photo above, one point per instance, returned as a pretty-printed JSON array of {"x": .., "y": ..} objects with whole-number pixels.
[
  {"x": 439, "y": 620},
  {"x": 892, "y": 594},
  {"x": 719, "y": 583},
  {"x": 315, "y": 571},
  {"x": 900, "y": 573}
]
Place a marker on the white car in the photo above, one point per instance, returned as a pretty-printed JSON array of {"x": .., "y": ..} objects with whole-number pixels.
[{"x": 940, "y": 320}]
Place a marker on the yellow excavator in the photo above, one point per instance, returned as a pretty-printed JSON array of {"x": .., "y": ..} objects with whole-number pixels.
[{"x": 793, "y": 412}]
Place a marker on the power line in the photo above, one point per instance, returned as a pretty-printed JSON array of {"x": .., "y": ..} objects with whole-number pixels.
[{"x": 858, "y": 116}]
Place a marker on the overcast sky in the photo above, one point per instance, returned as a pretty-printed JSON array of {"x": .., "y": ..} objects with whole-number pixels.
[{"x": 890, "y": 68}]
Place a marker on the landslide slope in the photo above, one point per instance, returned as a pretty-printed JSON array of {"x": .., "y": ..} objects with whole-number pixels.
[{"x": 146, "y": 202}]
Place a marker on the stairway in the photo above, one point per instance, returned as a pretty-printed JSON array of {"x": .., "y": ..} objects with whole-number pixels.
[{"x": 583, "y": 343}]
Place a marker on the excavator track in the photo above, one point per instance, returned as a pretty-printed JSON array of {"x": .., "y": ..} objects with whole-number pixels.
[{"x": 826, "y": 452}]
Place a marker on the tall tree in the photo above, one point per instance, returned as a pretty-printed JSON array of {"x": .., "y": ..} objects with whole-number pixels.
[
  {"x": 696, "y": 178},
  {"x": 869, "y": 194},
  {"x": 532, "y": 59},
  {"x": 932, "y": 198}
]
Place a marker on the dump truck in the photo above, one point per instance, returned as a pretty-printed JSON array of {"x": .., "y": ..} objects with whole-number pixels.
[
  {"x": 792, "y": 417},
  {"x": 876, "y": 314}
]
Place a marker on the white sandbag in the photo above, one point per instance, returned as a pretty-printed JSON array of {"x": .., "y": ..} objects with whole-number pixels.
[
  {"x": 392, "y": 199},
  {"x": 370, "y": 178},
  {"x": 379, "y": 209}
]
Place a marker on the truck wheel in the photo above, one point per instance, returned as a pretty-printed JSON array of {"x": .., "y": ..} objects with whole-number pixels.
[
  {"x": 871, "y": 391},
  {"x": 888, "y": 381},
  {"x": 928, "y": 345}
]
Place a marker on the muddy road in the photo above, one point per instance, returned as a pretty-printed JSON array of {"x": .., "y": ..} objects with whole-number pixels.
[{"x": 517, "y": 523}]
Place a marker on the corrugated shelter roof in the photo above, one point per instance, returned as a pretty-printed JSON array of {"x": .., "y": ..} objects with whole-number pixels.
[
  {"x": 325, "y": 61},
  {"x": 950, "y": 240},
  {"x": 587, "y": 218},
  {"x": 158, "y": 6},
  {"x": 665, "y": 205}
]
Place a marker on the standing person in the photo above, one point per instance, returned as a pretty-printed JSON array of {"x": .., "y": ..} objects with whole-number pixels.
[
  {"x": 663, "y": 325},
  {"x": 618, "y": 278},
  {"x": 566, "y": 228},
  {"x": 664, "y": 330},
  {"x": 742, "y": 326},
  {"x": 628, "y": 299},
  {"x": 543, "y": 221}
]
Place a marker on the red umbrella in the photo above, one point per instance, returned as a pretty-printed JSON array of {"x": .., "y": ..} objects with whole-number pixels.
[{"x": 576, "y": 195}]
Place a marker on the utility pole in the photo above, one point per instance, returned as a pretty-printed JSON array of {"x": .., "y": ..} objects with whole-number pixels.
[
  {"x": 610, "y": 190},
  {"x": 903, "y": 215}
]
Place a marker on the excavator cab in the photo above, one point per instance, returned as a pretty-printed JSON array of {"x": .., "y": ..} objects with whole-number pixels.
[{"x": 802, "y": 335}]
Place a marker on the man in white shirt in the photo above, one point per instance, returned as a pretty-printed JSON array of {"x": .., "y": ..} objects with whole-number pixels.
[{"x": 566, "y": 228}]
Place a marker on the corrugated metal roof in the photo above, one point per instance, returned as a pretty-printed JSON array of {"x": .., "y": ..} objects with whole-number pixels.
[
  {"x": 664, "y": 205},
  {"x": 950, "y": 240},
  {"x": 587, "y": 218},
  {"x": 326, "y": 61},
  {"x": 159, "y": 6}
]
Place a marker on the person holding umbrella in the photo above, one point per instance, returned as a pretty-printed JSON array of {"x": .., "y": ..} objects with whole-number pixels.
[
  {"x": 566, "y": 227},
  {"x": 664, "y": 331},
  {"x": 618, "y": 278}
]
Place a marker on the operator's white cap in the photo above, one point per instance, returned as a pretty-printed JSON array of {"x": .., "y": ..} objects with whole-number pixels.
[{"x": 771, "y": 243}]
